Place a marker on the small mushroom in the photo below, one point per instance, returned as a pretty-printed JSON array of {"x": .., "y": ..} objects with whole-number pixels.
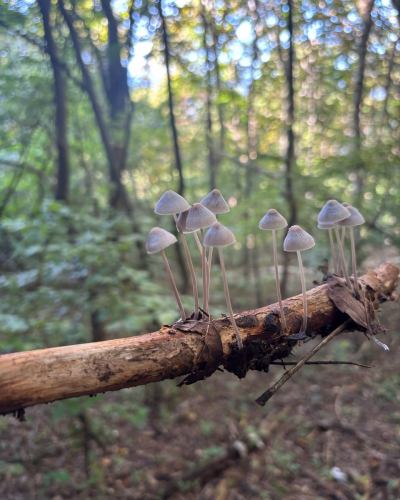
[
  {"x": 217, "y": 204},
  {"x": 157, "y": 241},
  {"x": 220, "y": 236},
  {"x": 355, "y": 219},
  {"x": 198, "y": 218},
  {"x": 332, "y": 213},
  {"x": 172, "y": 203},
  {"x": 297, "y": 240},
  {"x": 273, "y": 221}
]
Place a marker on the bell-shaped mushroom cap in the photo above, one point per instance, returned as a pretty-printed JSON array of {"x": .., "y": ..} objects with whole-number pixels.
[
  {"x": 272, "y": 220},
  {"x": 332, "y": 212},
  {"x": 215, "y": 202},
  {"x": 218, "y": 235},
  {"x": 171, "y": 203},
  {"x": 198, "y": 217},
  {"x": 158, "y": 239},
  {"x": 355, "y": 218},
  {"x": 298, "y": 240}
]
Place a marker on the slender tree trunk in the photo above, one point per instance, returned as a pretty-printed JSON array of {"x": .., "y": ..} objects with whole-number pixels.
[
  {"x": 212, "y": 163},
  {"x": 114, "y": 133},
  {"x": 365, "y": 8},
  {"x": 63, "y": 167},
  {"x": 290, "y": 158},
  {"x": 172, "y": 120}
]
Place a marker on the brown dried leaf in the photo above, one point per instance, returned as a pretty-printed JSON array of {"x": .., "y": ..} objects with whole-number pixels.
[{"x": 344, "y": 300}]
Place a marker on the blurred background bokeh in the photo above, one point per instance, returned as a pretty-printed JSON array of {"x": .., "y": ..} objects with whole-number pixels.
[{"x": 105, "y": 105}]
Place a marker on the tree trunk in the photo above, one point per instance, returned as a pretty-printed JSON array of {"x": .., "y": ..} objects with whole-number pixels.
[
  {"x": 63, "y": 168},
  {"x": 114, "y": 133},
  {"x": 365, "y": 8},
  {"x": 212, "y": 161},
  {"x": 45, "y": 375},
  {"x": 172, "y": 121},
  {"x": 290, "y": 157}
]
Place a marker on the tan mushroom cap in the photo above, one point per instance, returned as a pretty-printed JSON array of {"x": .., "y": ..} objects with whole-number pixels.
[
  {"x": 215, "y": 202},
  {"x": 219, "y": 235},
  {"x": 272, "y": 220},
  {"x": 355, "y": 218},
  {"x": 171, "y": 203},
  {"x": 159, "y": 239},
  {"x": 332, "y": 212},
  {"x": 298, "y": 240},
  {"x": 198, "y": 217}
]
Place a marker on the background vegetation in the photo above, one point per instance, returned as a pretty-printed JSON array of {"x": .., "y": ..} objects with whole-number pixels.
[{"x": 104, "y": 105}]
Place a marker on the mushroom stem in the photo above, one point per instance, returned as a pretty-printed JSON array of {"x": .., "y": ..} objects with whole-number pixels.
[
  {"x": 277, "y": 282},
  {"x": 342, "y": 257},
  {"x": 204, "y": 273},
  {"x": 354, "y": 261},
  {"x": 192, "y": 272},
  {"x": 228, "y": 299},
  {"x": 198, "y": 242},
  {"x": 333, "y": 251},
  {"x": 209, "y": 261},
  {"x": 303, "y": 289},
  {"x": 173, "y": 285}
]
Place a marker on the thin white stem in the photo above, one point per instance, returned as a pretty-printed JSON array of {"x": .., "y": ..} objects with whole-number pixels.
[
  {"x": 333, "y": 251},
  {"x": 209, "y": 260},
  {"x": 303, "y": 289},
  {"x": 198, "y": 242},
  {"x": 173, "y": 285},
  {"x": 192, "y": 272},
  {"x": 204, "y": 273},
  {"x": 354, "y": 261},
  {"x": 342, "y": 257},
  {"x": 277, "y": 282},
  {"x": 228, "y": 299}
]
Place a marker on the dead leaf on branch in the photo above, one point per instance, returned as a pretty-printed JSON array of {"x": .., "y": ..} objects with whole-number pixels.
[{"x": 345, "y": 301}]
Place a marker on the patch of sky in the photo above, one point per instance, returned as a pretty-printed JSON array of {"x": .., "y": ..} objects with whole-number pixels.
[
  {"x": 271, "y": 20},
  {"x": 378, "y": 93},
  {"x": 245, "y": 32},
  {"x": 342, "y": 63},
  {"x": 284, "y": 36},
  {"x": 235, "y": 49}
]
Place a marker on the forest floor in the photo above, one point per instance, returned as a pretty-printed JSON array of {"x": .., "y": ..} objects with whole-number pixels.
[{"x": 332, "y": 432}]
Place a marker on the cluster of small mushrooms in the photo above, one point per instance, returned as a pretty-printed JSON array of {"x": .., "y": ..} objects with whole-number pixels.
[{"x": 200, "y": 220}]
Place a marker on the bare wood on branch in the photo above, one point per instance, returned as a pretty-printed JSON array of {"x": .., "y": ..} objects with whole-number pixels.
[{"x": 45, "y": 375}]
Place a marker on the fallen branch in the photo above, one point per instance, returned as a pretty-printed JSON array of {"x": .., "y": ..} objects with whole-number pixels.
[
  {"x": 321, "y": 362},
  {"x": 194, "y": 349}
]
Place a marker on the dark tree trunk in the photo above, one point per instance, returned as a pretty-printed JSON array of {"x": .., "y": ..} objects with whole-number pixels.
[
  {"x": 171, "y": 107},
  {"x": 63, "y": 168},
  {"x": 212, "y": 162},
  {"x": 290, "y": 158},
  {"x": 114, "y": 132},
  {"x": 365, "y": 11}
]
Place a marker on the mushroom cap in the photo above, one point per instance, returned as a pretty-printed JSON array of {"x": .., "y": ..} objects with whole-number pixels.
[
  {"x": 215, "y": 202},
  {"x": 198, "y": 217},
  {"x": 272, "y": 220},
  {"x": 158, "y": 239},
  {"x": 355, "y": 218},
  {"x": 298, "y": 240},
  {"x": 171, "y": 203},
  {"x": 332, "y": 212},
  {"x": 325, "y": 225},
  {"x": 218, "y": 235}
]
